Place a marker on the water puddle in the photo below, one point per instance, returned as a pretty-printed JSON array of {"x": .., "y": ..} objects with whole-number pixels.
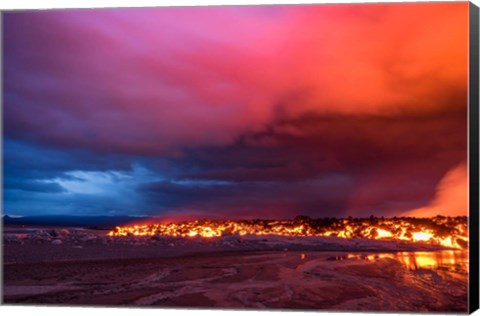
[{"x": 451, "y": 260}]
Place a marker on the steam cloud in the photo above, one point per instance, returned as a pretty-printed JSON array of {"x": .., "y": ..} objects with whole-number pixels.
[{"x": 451, "y": 196}]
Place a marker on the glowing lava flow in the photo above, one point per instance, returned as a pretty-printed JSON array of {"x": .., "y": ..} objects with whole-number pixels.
[{"x": 450, "y": 232}]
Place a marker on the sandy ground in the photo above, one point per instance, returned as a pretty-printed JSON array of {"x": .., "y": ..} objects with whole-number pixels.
[{"x": 267, "y": 273}]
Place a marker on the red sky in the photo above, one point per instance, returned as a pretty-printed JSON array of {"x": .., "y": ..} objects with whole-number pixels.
[{"x": 324, "y": 109}]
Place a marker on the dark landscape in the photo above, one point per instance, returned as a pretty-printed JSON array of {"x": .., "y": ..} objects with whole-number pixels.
[{"x": 80, "y": 266}]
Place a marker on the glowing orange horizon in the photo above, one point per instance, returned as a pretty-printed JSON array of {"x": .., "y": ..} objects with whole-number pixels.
[{"x": 450, "y": 232}]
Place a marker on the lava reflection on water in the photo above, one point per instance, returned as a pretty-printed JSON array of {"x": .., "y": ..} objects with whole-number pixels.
[
  {"x": 451, "y": 260},
  {"x": 447, "y": 259}
]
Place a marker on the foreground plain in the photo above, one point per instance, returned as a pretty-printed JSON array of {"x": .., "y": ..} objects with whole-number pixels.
[{"x": 85, "y": 268}]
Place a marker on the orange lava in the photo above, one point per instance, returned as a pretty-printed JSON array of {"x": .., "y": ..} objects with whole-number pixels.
[{"x": 451, "y": 232}]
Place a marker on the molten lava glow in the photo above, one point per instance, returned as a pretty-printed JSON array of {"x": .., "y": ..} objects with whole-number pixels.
[
  {"x": 383, "y": 233},
  {"x": 449, "y": 232},
  {"x": 422, "y": 236}
]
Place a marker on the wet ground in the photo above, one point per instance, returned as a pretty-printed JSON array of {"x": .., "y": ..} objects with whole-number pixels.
[{"x": 229, "y": 274}]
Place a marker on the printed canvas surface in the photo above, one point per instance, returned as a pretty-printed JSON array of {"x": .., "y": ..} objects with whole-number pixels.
[{"x": 266, "y": 157}]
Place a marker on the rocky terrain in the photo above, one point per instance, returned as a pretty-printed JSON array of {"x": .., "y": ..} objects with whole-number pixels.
[
  {"x": 40, "y": 244},
  {"x": 73, "y": 266}
]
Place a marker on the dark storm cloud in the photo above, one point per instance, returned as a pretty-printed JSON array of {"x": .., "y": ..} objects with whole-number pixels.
[
  {"x": 249, "y": 199},
  {"x": 392, "y": 171},
  {"x": 36, "y": 180},
  {"x": 26, "y": 162},
  {"x": 31, "y": 185},
  {"x": 272, "y": 111}
]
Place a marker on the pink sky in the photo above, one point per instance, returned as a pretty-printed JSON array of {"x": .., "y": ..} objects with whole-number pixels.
[{"x": 369, "y": 97}]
